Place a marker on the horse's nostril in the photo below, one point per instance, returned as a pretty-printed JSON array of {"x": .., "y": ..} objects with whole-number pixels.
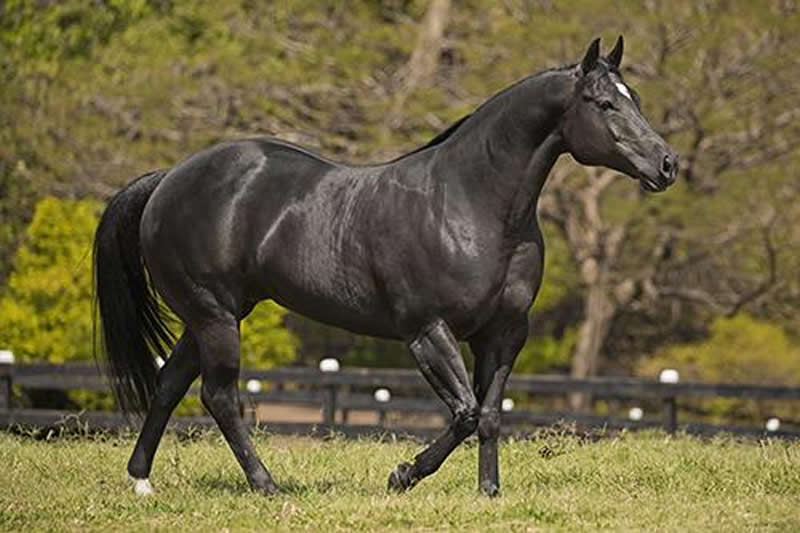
[{"x": 667, "y": 165}]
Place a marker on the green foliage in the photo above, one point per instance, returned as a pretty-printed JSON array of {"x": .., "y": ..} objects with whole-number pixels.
[
  {"x": 16, "y": 205},
  {"x": 544, "y": 353},
  {"x": 46, "y": 311},
  {"x": 265, "y": 340},
  {"x": 560, "y": 277},
  {"x": 47, "y": 38}
]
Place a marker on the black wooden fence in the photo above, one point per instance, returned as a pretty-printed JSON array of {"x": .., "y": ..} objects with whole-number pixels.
[{"x": 338, "y": 394}]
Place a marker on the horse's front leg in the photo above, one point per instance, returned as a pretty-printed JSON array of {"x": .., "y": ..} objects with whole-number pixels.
[
  {"x": 495, "y": 348},
  {"x": 436, "y": 352}
]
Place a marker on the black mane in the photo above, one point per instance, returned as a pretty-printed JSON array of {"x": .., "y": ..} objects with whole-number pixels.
[{"x": 442, "y": 136}]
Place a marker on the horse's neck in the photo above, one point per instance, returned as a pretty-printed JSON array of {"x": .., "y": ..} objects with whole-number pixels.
[{"x": 508, "y": 147}]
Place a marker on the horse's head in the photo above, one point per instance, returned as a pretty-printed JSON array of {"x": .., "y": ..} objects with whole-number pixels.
[{"x": 604, "y": 125}]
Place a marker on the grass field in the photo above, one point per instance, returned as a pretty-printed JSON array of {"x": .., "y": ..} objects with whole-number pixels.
[{"x": 557, "y": 482}]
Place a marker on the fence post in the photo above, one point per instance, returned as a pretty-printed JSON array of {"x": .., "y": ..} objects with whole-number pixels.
[
  {"x": 670, "y": 376},
  {"x": 329, "y": 410},
  {"x": 6, "y": 375}
]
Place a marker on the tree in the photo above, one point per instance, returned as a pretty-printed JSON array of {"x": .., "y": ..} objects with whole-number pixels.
[
  {"x": 46, "y": 310},
  {"x": 16, "y": 206}
]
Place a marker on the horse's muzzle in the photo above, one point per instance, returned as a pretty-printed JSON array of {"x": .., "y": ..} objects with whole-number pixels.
[{"x": 669, "y": 168}]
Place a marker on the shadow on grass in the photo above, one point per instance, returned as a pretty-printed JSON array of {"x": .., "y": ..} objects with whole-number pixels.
[
  {"x": 221, "y": 484},
  {"x": 295, "y": 487},
  {"x": 290, "y": 486}
]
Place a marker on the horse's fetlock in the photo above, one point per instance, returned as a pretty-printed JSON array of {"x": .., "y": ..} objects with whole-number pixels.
[{"x": 137, "y": 466}]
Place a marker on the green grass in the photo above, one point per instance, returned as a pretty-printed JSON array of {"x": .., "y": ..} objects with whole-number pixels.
[{"x": 558, "y": 482}]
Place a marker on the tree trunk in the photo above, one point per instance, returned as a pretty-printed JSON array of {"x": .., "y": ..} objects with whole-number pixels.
[
  {"x": 599, "y": 310},
  {"x": 424, "y": 60}
]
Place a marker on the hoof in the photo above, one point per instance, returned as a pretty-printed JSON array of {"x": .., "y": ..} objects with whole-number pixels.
[
  {"x": 142, "y": 487},
  {"x": 492, "y": 490},
  {"x": 264, "y": 485},
  {"x": 400, "y": 479},
  {"x": 268, "y": 490}
]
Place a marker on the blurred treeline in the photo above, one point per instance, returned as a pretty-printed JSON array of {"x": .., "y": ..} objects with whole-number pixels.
[{"x": 703, "y": 278}]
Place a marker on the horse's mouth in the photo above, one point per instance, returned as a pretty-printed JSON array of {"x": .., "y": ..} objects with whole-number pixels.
[{"x": 652, "y": 185}]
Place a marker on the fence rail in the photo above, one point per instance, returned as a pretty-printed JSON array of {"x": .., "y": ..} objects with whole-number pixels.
[{"x": 338, "y": 394}]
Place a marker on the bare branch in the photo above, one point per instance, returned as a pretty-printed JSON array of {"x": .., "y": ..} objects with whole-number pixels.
[
  {"x": 770, "y": 280},
  {"x": 424, "y": 59}
]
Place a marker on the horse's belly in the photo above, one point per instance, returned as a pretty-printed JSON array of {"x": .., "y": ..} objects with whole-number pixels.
[
  {"x": 355, "y": 320},
  {"x": 306, "y": 269},
  {"x": 346, "y": 304}
]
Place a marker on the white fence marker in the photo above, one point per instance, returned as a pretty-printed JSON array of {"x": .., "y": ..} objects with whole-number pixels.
[
  {"x": 773, "y": 424},
  {"x": 382, "y": 395},
  {"x": 669, "y": 375},
  {"x": 253, "y": 386},
  {"x": 329, "y": 364},
  {"x": 507, "y": 405}
]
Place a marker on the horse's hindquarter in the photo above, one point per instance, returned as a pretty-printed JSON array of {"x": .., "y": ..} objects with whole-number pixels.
[{"x": 206, "y": 222}]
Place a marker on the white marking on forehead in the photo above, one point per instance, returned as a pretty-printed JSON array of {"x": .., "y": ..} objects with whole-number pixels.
[{"x": 624, "y": 90}]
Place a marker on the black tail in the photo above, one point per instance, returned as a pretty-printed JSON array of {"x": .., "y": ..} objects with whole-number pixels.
[{"x": 134, "y": 330}]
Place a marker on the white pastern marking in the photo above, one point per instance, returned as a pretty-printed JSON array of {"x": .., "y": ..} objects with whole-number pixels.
[
  {"x": 624, "y": 90},
  {"x": 142, "y": 487}
]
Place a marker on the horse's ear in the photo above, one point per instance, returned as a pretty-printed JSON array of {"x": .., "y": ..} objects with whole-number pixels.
[
  {"x": 590, "y": 59},
  {"x": 615, "y": 57}
]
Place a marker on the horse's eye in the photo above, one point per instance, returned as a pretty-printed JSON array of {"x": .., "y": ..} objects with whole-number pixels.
[{"x": 605, "y": 105}]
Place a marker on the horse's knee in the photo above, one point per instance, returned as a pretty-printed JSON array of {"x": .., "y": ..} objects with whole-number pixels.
[
  {"x": 466, "y": 422},
  {"x": 489, "y": 424}
]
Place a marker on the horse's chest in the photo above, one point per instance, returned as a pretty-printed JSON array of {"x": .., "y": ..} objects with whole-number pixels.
[{"x": 471, "y": 293}]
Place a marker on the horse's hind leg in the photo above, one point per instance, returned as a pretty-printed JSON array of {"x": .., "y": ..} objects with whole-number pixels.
[
  {"x": 218, "y": 340},
  {"x": 437, "y": 354},
  {"x": 181, "y": 368}
]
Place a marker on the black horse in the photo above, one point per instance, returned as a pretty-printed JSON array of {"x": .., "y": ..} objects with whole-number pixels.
[{"x": 434, "y": 247}]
